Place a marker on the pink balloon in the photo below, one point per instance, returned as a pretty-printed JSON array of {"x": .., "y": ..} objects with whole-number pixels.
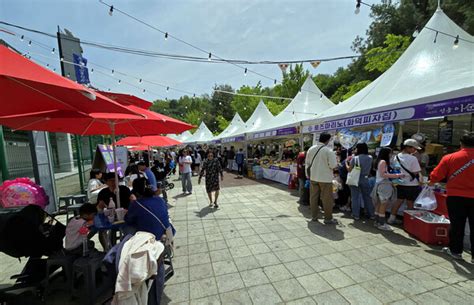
[{"x": 22, "y": 192}]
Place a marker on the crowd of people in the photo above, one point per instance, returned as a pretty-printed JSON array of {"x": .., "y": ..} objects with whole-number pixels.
[{"x": 385, "y": 184}]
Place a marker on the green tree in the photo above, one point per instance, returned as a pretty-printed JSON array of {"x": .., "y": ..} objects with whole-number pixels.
[
  {"x": 221, "y": 102},
  {"x": 245, "y": 105},
  {"x": 383, "y": 57}
]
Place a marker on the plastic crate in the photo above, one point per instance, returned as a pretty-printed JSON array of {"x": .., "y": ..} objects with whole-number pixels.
[{"x": 431, "y": 233}]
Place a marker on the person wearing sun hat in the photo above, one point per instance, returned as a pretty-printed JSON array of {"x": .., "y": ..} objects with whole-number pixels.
[{"x": 409, "y": 187}]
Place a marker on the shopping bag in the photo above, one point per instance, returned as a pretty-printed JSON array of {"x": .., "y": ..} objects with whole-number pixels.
[
  {"x": 354, "y": 175},
  {"x": 426, "y": 200}
]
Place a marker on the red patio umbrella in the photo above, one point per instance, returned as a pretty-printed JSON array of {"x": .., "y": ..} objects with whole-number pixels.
[
  {"x": 146, "y": 123},
  {"x": 27, "y": 87},
  {"x": 97, "y": 123},
  {"x": 127, "y": 99},
  {"x": 158, "y": 141},
  {"x": 138, "y": 148}
]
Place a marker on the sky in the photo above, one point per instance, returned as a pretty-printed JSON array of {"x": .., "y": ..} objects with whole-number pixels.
[{"x": 275, "y": 30}]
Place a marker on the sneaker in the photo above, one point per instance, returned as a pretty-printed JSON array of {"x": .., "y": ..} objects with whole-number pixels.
[
  {"x": 453, "y": 255},
  {"x": 385, "y": 227},
  {"x": 331, "y": 222},
  {"x": 355, "y": 217},
  {"x": 394, "y": 221}
]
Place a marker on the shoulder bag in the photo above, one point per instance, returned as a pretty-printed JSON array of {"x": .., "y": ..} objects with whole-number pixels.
[
  {"x": 308, "y": 170},
  {"x": 354, "y": 175}
]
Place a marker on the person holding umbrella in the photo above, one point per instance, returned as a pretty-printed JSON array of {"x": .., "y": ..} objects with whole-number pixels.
[{"x": 212, "y": 169}]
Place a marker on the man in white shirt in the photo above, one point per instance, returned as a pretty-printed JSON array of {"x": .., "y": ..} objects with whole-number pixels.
[
  {"x": 409, "y": 188},
  {"x": 321, "y": 162},
  {"x": 186, "y": 162}
]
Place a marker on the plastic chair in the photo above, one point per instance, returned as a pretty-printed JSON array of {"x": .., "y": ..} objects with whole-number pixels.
[
  {"x": 64, "y": 202},
  {"x": 87, "y": 268},
  {"x": 65, "y": 262}
]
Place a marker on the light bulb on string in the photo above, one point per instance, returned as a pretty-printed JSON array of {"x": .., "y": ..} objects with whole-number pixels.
[
  {"x": 111, "y": 10},
  {"x": 29, "y": 43},
  {"x": 113, "y": 71},
  {"x": 274, "y": 82},
  {"x": 436, "y": 36},
  {"x": 456, "y": 43},
  {"x": 167, "y": 89},
  {"x": 416, "y": 32},
  {"x": 119, "y": 81},
  {"x": 166, "y": 36},
  {"x": 68, "y": 75},
  {"x": 53, "y": 50},
  {"x": 62, "y": 58},
  {"x": 357, "y": 10},
  {"x": 321, "y": 96},
  {"x": 108, "y": 89},
  {"x": 22, "y": 37},
  {"x": 210, "y": 55},
  {"x": 245, "y": 72},
  {"x": 140, "y": 80},
  {"x": 92, "y": 70},
  {"x": 144, "y": 91}
]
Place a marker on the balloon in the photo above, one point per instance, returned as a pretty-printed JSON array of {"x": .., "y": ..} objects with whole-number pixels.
[{"x": 22, "y": 192}]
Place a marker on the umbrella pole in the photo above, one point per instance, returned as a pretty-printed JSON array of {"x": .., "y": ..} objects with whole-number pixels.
[{"x": 117, "y": 189}]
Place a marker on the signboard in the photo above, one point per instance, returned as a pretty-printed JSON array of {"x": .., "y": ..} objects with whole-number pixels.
[
  {"x": 104, "y": 159},
  {"x": 276, "y": 132},
  {"x": 233, "y": 139},
  {"x": 80, "y": 67},
  {"x": 460, "y": 105},
  {"x": 445, "y": 132}
]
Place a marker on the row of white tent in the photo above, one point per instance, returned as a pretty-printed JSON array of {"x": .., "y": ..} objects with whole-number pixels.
[{"x": 434, "y": 77}]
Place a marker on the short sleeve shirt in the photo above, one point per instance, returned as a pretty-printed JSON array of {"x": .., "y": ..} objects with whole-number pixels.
[
  {"x": 411, "y": 163},
  {"x": 125, "y": 193},
  {"x": 186, "y": 167}
]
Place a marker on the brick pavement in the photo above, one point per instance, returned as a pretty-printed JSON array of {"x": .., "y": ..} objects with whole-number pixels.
[{"x": 259, "y": 247}]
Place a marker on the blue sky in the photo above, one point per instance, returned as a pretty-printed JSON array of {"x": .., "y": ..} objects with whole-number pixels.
[{"x": 243, "y": 29}]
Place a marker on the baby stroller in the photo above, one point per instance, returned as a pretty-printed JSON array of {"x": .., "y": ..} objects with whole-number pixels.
[
  {"x": 167, "y": 185},
  {"x": 25, "y": 233}
]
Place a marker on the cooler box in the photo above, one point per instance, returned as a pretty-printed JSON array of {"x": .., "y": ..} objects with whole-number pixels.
[{"x": 430, "y": 228}]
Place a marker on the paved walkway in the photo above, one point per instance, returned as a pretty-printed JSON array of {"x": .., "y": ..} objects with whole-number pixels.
[{"x": 260, "y": 248}]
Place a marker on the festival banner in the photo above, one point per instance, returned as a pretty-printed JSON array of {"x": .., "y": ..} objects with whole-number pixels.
[{"x": 455, "y": 106}]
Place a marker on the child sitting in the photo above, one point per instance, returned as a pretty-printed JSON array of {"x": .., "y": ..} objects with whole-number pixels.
[{"x": 78, "y": 228}]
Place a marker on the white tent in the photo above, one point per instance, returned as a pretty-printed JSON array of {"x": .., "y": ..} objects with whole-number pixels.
[
  {"x": 236, "y": 124},
  {"x": 202, "y": 135},
  {"x": 306, "y": 105},
  {"x": 432, "y": 78},
  {"x": 181, "y": 137},
  {"x": 260, "y": 117}
]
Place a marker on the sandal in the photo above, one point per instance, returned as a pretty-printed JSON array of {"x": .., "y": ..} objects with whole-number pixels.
[{"x": 216, "y": 205}]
